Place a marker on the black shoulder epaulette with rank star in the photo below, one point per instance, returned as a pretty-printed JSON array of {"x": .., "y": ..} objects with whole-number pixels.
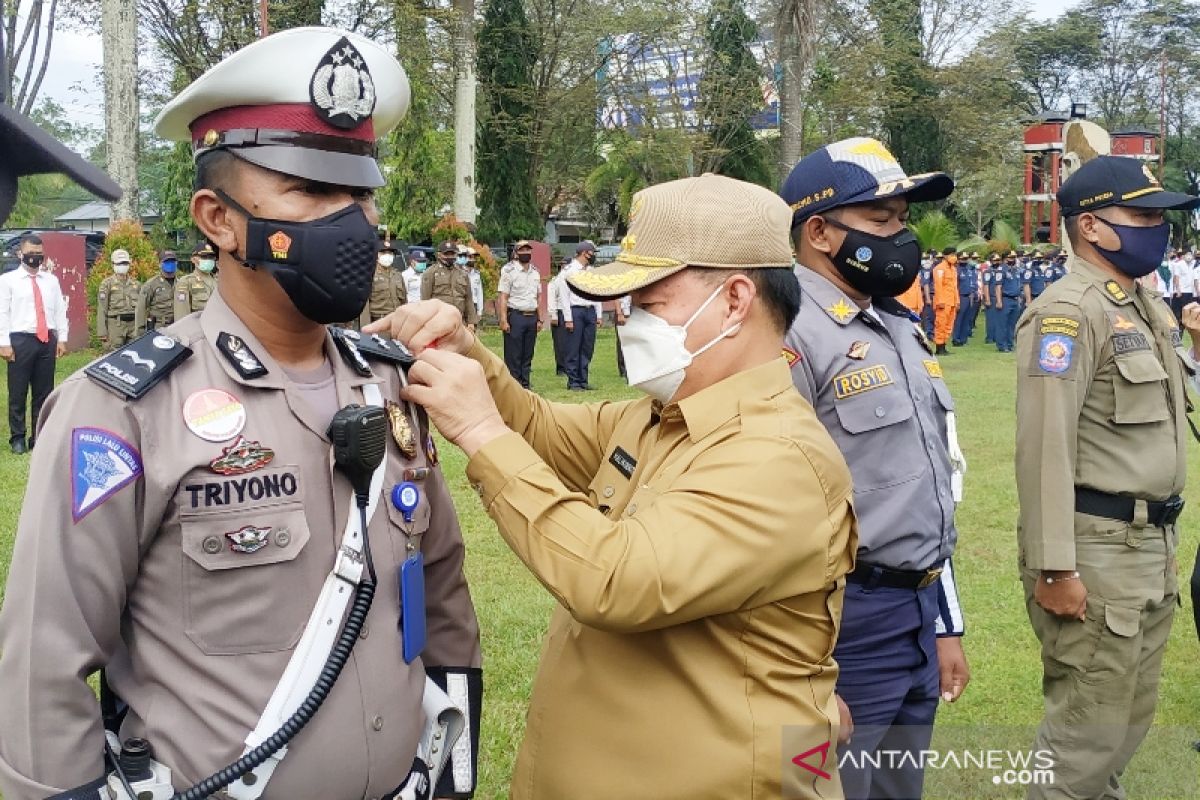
[
  {"x": 139, "y": 366},
  {"x": 347, "y": 344},
  {"x": 376, "y": 347}
]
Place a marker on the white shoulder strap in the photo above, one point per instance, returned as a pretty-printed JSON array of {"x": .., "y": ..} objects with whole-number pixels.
[{"x": 320, "y": 634}]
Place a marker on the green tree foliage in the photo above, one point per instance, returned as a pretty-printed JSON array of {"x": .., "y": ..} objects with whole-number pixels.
[
  {"x": 41, "y": 198},
  {"x": 1052, "y": 56},
  {"x": 914, "y": 130},
  {"x": 632, "y": 164},
  {"x": 731, "y": 94},
  {"x": 418, "y": 157},
  {"x": 935, "y": 231},
  {"x": 283, "y": 14},
  {"x": 504, "y": 163}
]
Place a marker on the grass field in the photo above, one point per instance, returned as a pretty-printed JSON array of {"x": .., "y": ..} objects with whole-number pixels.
[{"x": 1004, "y": 697}]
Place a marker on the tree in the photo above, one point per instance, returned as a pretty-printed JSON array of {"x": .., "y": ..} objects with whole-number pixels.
[
  {"x": 507, "y": 190},
  {"x": 418, "y": 157},
  {"x": 284, "y": 14},
  {"x": 796, "y": 41},
  {"x": 730, "y": 94},
  {"x": 464, "y": 110},
  {"x": 28, "y": 37},
  {"x": 41, "y": 198},
  {"x": 1053, "y": 56},
  {"x": 914, "y": 131},
  {"x": 119, "y": 25}
]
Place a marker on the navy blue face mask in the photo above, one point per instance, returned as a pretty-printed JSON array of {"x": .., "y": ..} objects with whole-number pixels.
[{"x": 1141, "y": 248}]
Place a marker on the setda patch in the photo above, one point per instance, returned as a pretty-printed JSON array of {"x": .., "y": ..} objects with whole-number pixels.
[
  {"x": 102, "y": 463},
  {"x": 861, "y": 380},
  {"x": 1054, "y": 353},
  {"x": 933, "y": 368}
]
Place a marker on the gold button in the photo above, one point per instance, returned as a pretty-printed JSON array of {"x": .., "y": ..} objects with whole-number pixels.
[
  {"x": 632, "y": 508},
  {"x": 608, "y": 491},
  {"x": 377, "y": 723},
  {"x": 211, "y": 545}
]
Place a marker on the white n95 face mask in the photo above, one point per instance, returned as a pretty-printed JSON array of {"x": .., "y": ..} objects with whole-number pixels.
[
  {"x": 656, "y": 356},
  {"x": 120, "y": 269}
]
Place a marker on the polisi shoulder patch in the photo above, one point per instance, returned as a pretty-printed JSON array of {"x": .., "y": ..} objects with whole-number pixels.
[{"x": 138, "y": 367}]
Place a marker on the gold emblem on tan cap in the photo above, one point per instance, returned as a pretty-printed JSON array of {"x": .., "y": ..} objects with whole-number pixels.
[{"x": 629, "y": 242}]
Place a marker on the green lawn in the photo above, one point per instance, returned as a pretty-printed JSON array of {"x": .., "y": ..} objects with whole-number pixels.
[{"x": 1004, "y": 698}]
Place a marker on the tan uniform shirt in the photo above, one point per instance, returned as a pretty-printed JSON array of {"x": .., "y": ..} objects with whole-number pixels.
[
  {"x": 117, "y": 296},
  {"x": 156, "y": 304},
  {"x": 1100, "y": 404},
  {"x": 522, "y": 284},
  {"x": 388, "y": 292},
  {"x": 450, "y": 285},
  {"x": 195, "y": 635},
  {"x": 192, "y": 292},
  {"x": 697, "y": 554}
]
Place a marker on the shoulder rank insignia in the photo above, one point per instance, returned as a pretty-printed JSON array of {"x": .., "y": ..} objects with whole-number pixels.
[
  {"x": 345, "y": 341},
  {"x": 138, "y": 367},
  {"x": 378, "y": 348},
  {"x": 240, "y": 356},
  {"x": 841, "y": 310},
  {"x": 922, "y": 338},
  {"x": 1115, "y": 291}
]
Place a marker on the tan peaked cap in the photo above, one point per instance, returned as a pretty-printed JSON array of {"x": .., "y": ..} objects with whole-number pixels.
[{"x": 710, "y": 221}]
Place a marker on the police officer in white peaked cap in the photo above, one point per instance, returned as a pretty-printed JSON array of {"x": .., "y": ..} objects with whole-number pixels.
[{"x": 232, "y": 517}]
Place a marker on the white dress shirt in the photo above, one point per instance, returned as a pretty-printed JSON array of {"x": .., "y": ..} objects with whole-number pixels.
[
  {"x": 17, "y": 314},
  {"x": 476, "y": 288},
  {"x": 568, "y": 298},
  {"x": 412, "y": 284}
]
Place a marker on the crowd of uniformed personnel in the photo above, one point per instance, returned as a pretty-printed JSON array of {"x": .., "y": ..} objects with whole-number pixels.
[
  {"x": 690, "y": 616},
  {"x": 954, "y": 288}
]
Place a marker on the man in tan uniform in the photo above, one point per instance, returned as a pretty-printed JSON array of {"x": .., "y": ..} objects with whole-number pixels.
[
  {"x": 183, "y": 509},
  {"x": 696, "y": 540},
  {"x": 1100, "y": 465},
  {"x": 447, "y": 280},
  {"x": 193, "y": 290},
  {"x": 156, "y": 301},
  {"x": 116, "y": 303},
  {"x": 388, "y": 291}
]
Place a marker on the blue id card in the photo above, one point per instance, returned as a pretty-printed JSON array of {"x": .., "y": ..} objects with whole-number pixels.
[{"x": 412, "y": 606}]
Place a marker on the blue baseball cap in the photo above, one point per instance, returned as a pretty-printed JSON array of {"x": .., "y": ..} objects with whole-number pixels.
[{"x": 853, "y": 171}]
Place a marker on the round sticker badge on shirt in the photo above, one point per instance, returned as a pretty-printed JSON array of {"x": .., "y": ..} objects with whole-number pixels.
[{"x": 214, "y": 415}]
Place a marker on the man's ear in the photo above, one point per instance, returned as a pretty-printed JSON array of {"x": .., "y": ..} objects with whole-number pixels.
[
  {"x": 739, "y": 293},
  {"x": 816, "y": 230},
  {"x": 215, "y": 221},
  {"x": 1088, "y": 226}
]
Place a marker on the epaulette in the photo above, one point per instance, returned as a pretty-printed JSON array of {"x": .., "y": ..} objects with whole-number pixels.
[
  {"x": 139, "y": 366},
  {"x": 375, "y": 347},
  {"x": 891, "y": 305}
]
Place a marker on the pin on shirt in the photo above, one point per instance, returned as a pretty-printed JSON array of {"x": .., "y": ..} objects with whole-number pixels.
[
  {"x": 241, "y": 457},
  {"x": 858, "y": 350},
  {"x": 214, "y": 415}
]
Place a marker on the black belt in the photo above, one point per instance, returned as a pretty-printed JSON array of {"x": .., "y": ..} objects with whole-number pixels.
[
  {"x": 122, "y": 317},
  {"x": 520, "y": 311},
  {"x": 873, "y": 575},
  {"x": 1114, "y": 506}
]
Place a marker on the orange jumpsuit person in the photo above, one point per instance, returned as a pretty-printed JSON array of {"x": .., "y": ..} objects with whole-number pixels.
[
  {"x": 945, "y": 298},
  {"x": 913, "y": 298}
]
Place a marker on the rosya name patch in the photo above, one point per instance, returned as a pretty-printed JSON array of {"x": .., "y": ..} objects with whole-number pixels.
[{"x": 862, "y": 380}]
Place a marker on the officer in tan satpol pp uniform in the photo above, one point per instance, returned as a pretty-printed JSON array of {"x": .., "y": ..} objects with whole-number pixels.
[
  {"x": 1100, "y": 462},
  {"x": 696, "y": 540},
  {"x": 235, "y": 517}
]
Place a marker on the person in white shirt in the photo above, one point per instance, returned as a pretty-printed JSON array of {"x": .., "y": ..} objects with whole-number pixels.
[
  {"x": 581, "y": 318},
  {"x": 517, "y": 312},
  {"x": 33, "y": 334},
  {"x": 417, "y": 262},
  {"x": 1183, "y": 287},
  {"x": 476, "y": 279},
  {"x": 558, "y": 331}
]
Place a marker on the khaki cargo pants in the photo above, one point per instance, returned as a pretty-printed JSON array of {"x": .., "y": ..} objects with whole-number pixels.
[
  {"x": 120, "y": 332},
  {"x": 1100, "y": 676}
]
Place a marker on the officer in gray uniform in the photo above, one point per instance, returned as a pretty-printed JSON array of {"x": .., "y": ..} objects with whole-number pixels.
[
  {"x": 863, "y": 361},
  {"x": 233, "y": 517}
]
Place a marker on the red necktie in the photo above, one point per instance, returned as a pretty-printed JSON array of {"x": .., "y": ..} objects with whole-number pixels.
[{"x": 39, "y": 308}]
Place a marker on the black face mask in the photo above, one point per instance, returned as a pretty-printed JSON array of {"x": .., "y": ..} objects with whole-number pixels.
[
  {"x": 325, "y": 265},
  {"x": 879, "y": 266},
  {"x": 33, "y": 260},
  {"x": 524, "y": 258}
]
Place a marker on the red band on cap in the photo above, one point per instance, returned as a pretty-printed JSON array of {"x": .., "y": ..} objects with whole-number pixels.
[{"x": 298, "y": 117}]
